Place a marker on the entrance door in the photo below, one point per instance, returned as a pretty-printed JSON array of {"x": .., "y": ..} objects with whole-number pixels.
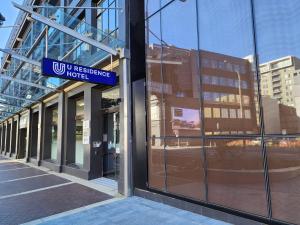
[
  {"x": 23, "y": 141},
  {"x": 111, "y": 151}
]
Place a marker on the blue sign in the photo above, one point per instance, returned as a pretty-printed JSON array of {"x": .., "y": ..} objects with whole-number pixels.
[{"x": 69, "y": 71}]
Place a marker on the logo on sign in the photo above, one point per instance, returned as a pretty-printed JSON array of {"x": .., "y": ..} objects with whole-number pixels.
[
  {"x": 59, "y": 68},
  {"x": 70, "y": 71}
]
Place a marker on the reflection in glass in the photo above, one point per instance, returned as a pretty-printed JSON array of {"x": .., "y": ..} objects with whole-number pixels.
[
  {"x": 79, "y": 132},
  {"x": 180, "y": 69},
  {"x": 156, "y": 164},
  {"x": 173, "y": 74},
  {"x": 54, "y": 134},
  {"x": 184, "y": 166},
  {"x": 279, "y": 63},
  {"x": 227, "y": 67},
  {"x": 284, "y": 173},
  {"x": 155, "y": 86},
  {"x": 235, "y": 174}
]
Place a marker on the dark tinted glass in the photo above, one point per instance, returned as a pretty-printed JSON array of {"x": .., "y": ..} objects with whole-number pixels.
[
  {"x": 156, "y": 164},
  {"x": 278, "y": 38},
  {"x": 227, "y": 67},
  {"x": 235, "y": 174},
  {"x": 155, "y": 86},
  {"x": 185, "y": 173},
  {"x": 284, "y": 172},
  {"x": 180, "y": 69}
]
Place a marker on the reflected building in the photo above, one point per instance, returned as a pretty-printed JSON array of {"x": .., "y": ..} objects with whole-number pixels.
[
  {"x": 230, "y": 102},
  {"x": 280, "y": 84},
  {"x": 228, "y": 93}
]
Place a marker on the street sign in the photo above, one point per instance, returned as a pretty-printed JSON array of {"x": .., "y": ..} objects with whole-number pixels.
[{"x": 69, "y": 71}]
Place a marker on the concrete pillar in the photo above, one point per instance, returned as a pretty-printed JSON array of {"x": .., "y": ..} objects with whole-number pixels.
[
  {"x": 1, "y": 128},
  {"x": 60, "y": 130},
  {"x": 40, "y": 133},
  {"x": 17, "y": 147},
  {"x": 93, "y": 125},
  {"x": 3, "y": 138},
  {"x": 69, "y": 129},
  {"x": 27, "y": 154},
  {"x": 10, "y": 124},
  {"x": 6, "y": 138}
]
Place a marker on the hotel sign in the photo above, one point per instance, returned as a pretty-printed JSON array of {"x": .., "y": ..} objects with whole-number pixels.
[{"x": 69, "y": 71}]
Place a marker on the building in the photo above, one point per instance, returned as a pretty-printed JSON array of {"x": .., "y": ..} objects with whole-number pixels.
[
  {"x": 279, "y": 82},
  {"x": 197, "y": 119},
  {"x": 278, "y": 78}
]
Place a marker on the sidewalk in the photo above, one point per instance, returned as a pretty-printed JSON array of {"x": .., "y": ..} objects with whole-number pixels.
[{"x": 129, "y": 211}]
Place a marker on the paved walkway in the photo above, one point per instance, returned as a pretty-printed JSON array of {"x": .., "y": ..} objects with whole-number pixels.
[
  {"x": 34, "y": 195},
  {"x": 129, "y": 211},
  {"x": 28, "y": 193}
]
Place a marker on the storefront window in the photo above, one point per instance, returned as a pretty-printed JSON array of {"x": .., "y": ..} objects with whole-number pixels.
[{"x": 79, "y": 132}]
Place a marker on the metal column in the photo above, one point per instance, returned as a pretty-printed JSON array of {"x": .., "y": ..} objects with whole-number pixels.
[{"x": 125, "y": 182}]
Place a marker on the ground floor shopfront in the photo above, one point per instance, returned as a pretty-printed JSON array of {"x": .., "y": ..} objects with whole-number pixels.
[{"x": 76, "y": 131}]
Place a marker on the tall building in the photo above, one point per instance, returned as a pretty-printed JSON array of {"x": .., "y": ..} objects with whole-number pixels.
[
  {"x": 279, "y": 87},
  {"x": 278, "y": 79}
]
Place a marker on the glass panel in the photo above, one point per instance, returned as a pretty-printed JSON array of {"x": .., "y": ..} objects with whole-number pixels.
[
  {"x": 155, "y": 86},
  {"x": 54, "y": 135},
  {"x": 79, "y": 132},
  {"x": 278, "y": 36},
  {"x": 180, "y": 71},
  {"x": 185, "y": 174},
  {"x": 156, "y": 164},
  {"x": 110, "y": 98},
  {"x": 235, "y": 174},
  {"x": 284, "y": 164},
  {"x": 151, "y": 6},
  {"x": 227, "y": 66}
]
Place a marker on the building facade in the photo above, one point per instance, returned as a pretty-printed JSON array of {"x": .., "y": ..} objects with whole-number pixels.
[
  {"x": 279, "y": 82},
  {"x": 205, "y": 114}
]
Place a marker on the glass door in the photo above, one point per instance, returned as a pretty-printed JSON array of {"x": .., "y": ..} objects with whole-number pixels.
[{"x": 111, "y": 156}]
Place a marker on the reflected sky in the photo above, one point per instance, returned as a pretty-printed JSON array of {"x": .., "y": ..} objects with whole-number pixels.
[{"x": 225, "y": 27}]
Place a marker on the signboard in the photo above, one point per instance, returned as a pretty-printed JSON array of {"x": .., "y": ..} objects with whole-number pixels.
[{"x": 69, "y": 71}]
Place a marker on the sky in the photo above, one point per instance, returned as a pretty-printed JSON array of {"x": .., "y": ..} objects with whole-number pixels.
[{"x": 10, "y": 13}]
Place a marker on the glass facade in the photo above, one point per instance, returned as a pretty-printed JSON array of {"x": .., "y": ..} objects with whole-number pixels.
[
  {"x": 61, "y": 46},
  {"x": 107, "y": 19},
  {"x": 223, "y": 103}
]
